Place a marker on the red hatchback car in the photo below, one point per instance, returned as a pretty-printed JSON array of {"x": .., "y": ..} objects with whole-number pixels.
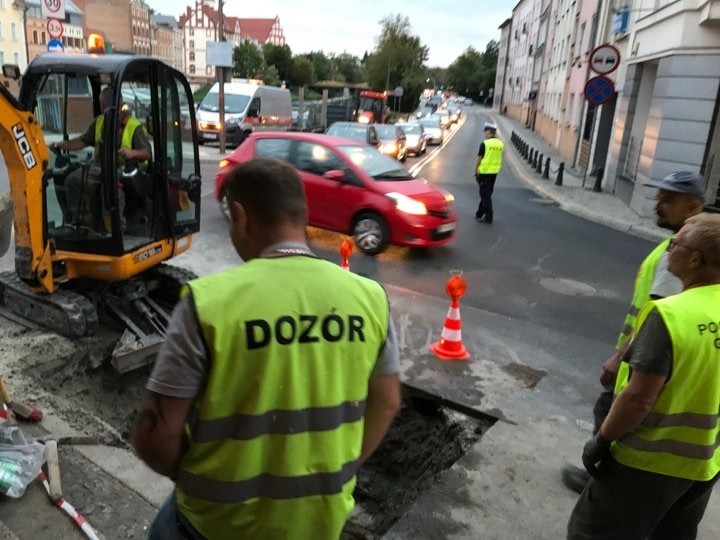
[{"x": 354, "y": 189}]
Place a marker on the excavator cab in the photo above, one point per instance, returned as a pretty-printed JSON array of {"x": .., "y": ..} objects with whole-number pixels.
[{"x": 92, "y": 224}]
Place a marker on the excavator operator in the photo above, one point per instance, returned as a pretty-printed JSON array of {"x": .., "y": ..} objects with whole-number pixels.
[{"x": 134, "y": 147}]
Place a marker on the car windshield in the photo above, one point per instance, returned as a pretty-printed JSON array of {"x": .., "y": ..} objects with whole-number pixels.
[
  {"x": 430, "y": 122},
  {"x": 375, "y": 164},
  {"x": 411, "y": 129},
  {"x": 234, "y": 103},
  {"x": 386, "y": 132},
  {"x": 351, "y": 131}
]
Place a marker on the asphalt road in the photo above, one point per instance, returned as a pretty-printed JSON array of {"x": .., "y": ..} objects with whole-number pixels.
[{"x": 516, "y": 267}]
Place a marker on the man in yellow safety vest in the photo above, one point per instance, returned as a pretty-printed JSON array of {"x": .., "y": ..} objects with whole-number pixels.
[
  {"x": 658, "y": 447},
  {"x": 487, "y": 167},
  {"x": 278, "y": 378}
]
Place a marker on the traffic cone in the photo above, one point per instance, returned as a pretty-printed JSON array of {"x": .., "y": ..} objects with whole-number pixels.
[
  {"x": 345, "y": 252},
  {"x": 450, "y": 346}
]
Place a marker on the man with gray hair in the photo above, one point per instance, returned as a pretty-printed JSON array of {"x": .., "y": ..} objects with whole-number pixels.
[{"x": 658, "y": 447}]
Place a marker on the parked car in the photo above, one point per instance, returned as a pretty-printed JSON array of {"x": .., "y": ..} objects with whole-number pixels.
[
  {"x": 434, "y": 131},
  {"x": 415, "y": 140},
  {"x": 354, "y": 189},
  {"x": 392, "y": 141},
  {"x": 356, "y": 131}
]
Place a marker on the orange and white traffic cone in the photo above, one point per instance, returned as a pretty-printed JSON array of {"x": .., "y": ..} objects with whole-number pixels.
[
  {"x": 450, "y": 346},
  {"x": 345, "y": 251}
]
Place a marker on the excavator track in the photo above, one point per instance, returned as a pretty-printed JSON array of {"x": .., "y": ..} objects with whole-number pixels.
[{"x": 66, "y": 312}]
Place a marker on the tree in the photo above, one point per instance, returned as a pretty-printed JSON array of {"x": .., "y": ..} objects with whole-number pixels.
[
  {"x": 347, "y": 66},
  {"x": 248, "y": 60},
  {"x": 280, "y": 57},
  {"x": 398, "y": 60},
  {"x": 322, "y": 67},
  {"x": 472, "y": 71},
  {"x": 271, "y": 76},
  {"x": 302, "y": 72}
]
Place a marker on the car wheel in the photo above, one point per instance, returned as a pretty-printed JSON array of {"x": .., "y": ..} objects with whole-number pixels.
[
  {"x": 371, "y": 233},
  {"x": 225, "y": 203},
  {"x": 404, "y": 157}
]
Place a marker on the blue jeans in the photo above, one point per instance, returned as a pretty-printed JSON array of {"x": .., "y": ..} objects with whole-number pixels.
[{"x": 169, "y": 524}]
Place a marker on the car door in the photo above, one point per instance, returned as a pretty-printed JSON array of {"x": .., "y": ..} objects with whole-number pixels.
[{"x": 331, "y": 202}]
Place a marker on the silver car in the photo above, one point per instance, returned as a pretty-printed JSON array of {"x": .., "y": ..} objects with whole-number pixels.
[
  {"x": 434, "y": 132},
  {"x": 415, "y": 140}
]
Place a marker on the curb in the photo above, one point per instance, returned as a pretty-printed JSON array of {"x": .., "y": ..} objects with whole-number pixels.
[{"x": 577, "y": 209}]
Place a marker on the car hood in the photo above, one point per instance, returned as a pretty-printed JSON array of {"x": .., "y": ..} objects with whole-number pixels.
[{"x": 419, "y": 190}]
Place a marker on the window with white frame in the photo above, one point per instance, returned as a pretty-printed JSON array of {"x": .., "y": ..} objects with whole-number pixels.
[{"x": 13, "y": 31}]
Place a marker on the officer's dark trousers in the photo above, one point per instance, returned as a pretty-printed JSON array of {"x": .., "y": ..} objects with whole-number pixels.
[
  {"x": 486, "y": 183},
  {"x": 629, "y": 504}
]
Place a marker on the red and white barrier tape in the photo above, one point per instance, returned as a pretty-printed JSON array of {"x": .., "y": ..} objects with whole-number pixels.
[{"x": 69, "y": 509}]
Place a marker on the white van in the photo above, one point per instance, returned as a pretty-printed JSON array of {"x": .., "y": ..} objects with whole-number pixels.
[{"x": 248, "y": 107}]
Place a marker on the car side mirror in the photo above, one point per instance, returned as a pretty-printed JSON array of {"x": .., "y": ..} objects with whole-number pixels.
[{"x": 334, "y": 174}]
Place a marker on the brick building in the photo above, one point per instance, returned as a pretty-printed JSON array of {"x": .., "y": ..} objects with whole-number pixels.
[
  {"x": 109, "y": 18},
  {"x": 36, "y": 29},
  {"x": 140, "y": 20}
]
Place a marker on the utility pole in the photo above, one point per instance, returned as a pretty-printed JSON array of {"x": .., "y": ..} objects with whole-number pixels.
[{"x": 221, "y": 79}]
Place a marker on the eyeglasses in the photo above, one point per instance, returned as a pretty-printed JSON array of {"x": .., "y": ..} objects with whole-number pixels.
[{"x": 673, "y": 242}]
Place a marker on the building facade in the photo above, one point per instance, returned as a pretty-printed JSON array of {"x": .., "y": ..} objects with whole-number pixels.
[
  {"x": 177, "y": 48},
  {"x": 13, "y": 43},
  {"x": 140, "y": 20},
  {"x": 73, "y": 38},
  {"x": 110, "y": 19},
  {"x": 501, "y": 72}
]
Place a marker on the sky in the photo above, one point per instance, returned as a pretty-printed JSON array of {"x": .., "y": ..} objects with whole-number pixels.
[{"x": 446, "y": 27}]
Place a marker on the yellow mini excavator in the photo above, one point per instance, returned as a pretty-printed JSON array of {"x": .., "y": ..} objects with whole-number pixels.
[{"x": 92, "y": 230}]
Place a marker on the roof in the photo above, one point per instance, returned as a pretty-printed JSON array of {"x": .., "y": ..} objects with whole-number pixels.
[
  {"x": 69, "y": 6},
  {"x": 164, "y": 20},
  {"x": 320, "y": 138},
  {"x": 84, "y": 63},
  {"x": 505, "y": 23},
  {"x": 257, "y": 29}
]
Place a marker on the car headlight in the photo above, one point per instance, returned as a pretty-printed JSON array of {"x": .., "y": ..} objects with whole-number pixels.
[
  {"x": 408, "y": 205},
  {"x": 363, "y": 120},
  {"x": 449, "y": 197},
  {"x": 389, "y": 148}
]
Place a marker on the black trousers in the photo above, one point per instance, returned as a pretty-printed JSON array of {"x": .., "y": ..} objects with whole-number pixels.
[
  {"x": 624, "y": 503},
  {"x": 486, "y": 184}
]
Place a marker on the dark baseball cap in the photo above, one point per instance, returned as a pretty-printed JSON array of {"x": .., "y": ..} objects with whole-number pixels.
[{"x": 681, "y": 182}]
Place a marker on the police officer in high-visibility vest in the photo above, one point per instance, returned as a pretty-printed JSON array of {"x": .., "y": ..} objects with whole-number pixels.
[
  {"x": 680, "y": 196},
  {"x": 658, "y": 450},
  {"x": 487, "y": 166},
  {"x": 277, "y": 380},
  {"x": 134, "y": 146}
]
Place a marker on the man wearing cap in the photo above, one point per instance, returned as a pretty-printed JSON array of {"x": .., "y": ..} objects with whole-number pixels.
[
  {"x": 658, "y": 447},
  {"x": 679, "y": 197},
  {"x": 487, "y": 166}
]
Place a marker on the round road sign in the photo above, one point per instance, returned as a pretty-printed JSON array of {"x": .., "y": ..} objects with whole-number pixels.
[
  {"x": 604, "y": 59},
  {"x": 53, "y": 6},
  {"x": 54, "y": 28},
  {"x": 55, "y": 45},
  {"x": 599, "y": 90}
]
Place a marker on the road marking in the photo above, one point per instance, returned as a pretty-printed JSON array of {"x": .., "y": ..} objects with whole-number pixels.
[{"x": 415, "y": 169}]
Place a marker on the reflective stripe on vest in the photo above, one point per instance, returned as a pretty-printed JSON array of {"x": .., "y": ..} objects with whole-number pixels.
[
  {"x": 680, "y": 436},
  {"x": 492, "y": 160},
  {"x": 275, "y": 437},
  {"x": 127, "y": 136},
  {"x": 641, "y": 294}
]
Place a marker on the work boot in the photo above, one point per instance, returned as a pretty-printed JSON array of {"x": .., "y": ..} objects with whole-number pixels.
[{"x": 575, "y": 478}]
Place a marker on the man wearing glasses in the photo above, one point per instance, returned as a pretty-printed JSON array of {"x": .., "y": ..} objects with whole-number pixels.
[
  {"x": 680, "y": 196},
  {"x": 658, "y": 447}
]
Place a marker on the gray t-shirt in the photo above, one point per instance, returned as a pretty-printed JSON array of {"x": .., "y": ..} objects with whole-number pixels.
[
  {"x": 651, "y": 351},
  {"x": 182, "y": 364}
]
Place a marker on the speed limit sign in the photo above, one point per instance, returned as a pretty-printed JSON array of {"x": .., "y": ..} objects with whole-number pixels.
[
  {"x": 52, "y": 9},
  {"x": 55, "y": 28}
]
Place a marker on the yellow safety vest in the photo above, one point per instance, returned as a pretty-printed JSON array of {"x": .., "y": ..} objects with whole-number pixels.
[
  {"x": 679, "y": 437},
  {"x": 491, "y": 162},
  {"x": 274, "y": 438},
  {"x": 127, "y": 136}
]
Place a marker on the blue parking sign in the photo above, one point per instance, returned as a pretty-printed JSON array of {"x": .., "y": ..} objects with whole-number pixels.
[{"x": 55, "y": 45}]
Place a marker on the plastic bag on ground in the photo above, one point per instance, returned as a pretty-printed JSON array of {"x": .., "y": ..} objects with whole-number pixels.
[{"x": 21, "y": 459}]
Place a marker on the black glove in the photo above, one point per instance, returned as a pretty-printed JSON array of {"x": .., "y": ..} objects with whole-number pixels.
[{"x": 594, "y": 451}]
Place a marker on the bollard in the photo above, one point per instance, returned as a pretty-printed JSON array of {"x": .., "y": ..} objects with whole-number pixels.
[
  {"x": 597, "y": 188},
  {"x": 535, "y": 158},
  {"x": 526, "y": 148},
  {"x": 546, "y": 172},
  {"x": 530, "y": 156},
  {"x": 538, "y": 166},
  {"x": 561, "y": 170}
]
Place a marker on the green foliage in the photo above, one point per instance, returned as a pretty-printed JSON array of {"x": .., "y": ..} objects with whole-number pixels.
[
  {"x": 280, "y": 57},
  {"x": 248, "y": 60},
  {"x": 302, "y": 72},
  {"x": 348, "y": 67},
  {"x": 271, "y": 76},
  {"x": 398, "y": 60},
  {"x": 201, "y": 92},
  {"x": 473, "y": 71},
  {"x": 322, "y": 68}
]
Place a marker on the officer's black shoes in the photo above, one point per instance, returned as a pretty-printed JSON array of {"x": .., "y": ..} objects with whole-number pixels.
[
  {"x": 483, "y": 219},
  {"x": 575, "y": 478}
]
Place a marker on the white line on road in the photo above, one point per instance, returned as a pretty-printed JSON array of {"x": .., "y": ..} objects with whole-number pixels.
[{"x": 415, "y": 169}]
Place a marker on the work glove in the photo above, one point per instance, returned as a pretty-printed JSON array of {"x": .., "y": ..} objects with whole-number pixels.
[{"x": 595, "y": 450}]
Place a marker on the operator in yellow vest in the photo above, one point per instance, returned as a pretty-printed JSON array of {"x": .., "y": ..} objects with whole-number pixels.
[
  {"x": 133, "y": 145},
  {"x": 680, "y": 196},
  {"x": 658, "y": 447},
  {"x": 277, "y": 380},
  {"x": 487, "y": 166}
]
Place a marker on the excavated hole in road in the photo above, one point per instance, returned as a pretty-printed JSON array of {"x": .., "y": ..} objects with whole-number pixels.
[{"x": 429, "y": 435}]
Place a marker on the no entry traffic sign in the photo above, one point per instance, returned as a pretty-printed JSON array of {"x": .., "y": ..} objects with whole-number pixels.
[
  {"x": 54, "y": 28},
  {"x": 52, "y": 9},
  {"x": 599, "y": 90},
  {"x": 604, "y": 59}
]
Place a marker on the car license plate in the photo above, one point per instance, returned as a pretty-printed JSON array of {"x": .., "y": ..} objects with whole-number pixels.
[
  {"x": 211, "y": 136},
  {"x": 446, "y": 227}
]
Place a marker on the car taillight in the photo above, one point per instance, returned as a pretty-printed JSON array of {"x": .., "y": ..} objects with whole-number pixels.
[{"x": 224, "y": 163}]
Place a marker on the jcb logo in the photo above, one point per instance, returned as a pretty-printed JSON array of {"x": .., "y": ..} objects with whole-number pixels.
[{"x": 24, "y": 146}]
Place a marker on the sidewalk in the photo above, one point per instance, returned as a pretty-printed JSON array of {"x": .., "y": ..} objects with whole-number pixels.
[
  {"x": 601, "y": 207},
  {"x": 210, "y": 152}
]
